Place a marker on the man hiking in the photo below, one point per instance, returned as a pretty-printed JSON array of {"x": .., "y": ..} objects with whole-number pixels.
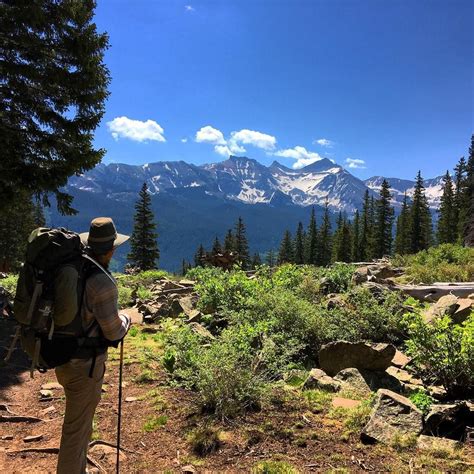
[{"x": 83, "y": 375}]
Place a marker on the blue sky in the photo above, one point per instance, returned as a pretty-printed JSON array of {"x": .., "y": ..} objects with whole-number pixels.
[{"x": 385, "y": 84}]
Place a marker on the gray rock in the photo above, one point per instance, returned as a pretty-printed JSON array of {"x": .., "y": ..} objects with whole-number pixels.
[
  {"x": 336, "y": 356},
  {"x": 318, "y": 379},
  {"x": 359, "y": 276},
  {"x": 400, "y": 359},
  {"x": 201, "y": 331},
  {"x": 438, "y": 444},
  {"x": 448, "y": 420},
  {"x": 392, "y": 415},
  {"x": 366, "y": 381},
  {"x": 464, "y": 310},
  {"x": 404, "y": 376},
  {"x": 446, "y": 305}
]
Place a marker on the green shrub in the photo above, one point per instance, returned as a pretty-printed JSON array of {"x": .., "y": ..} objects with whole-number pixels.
[
  {"x": 205, "y": 440},
  {"x": 9, "y": 283},
  {"x": 444, "y": 351},
  {"x": 155, "y": 422},
  {"x": 337, "y": 278},
  {"x": 125, "y": 295},
  {"x": 446, "y": 262},
  {"x": 421, "y": 400},
  {"x": 362, "y": 316}
]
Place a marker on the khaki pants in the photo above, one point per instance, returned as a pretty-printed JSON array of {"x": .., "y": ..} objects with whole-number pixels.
[{"x": 82, "y": 397}]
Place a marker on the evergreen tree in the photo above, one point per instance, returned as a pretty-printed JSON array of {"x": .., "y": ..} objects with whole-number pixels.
[
  {"x": 403, "y": 237},
  {"x": 229, "y": 242},
  {"x": 364, "y": 228},
  {"x": 38, "y": 214},
  {"x": 420, "y": 218},
  {"x": 16, "y": 224},
  {"x": 185, "y": 266},
  {"x": 54, "y": 87},
  {"x": 200, "y": 256},
  {"x": 371, "y": 233},
  {"x": 144, "y": 252},
  {"x": 460, "y": 196},
  {"x": 342, "y": 240},
  {"x": 256, "y": 260},
  {"x": 299, "y": 244},
  {"x": 241, "y": 244},
  {"x": 446, "y": 231},
  {"x": 286, "y": 253},
  {"x": 468, "y": 223},
  {"x": 270, "y": 258},
  {"x": 356, "y": 238},
  {"x": 311, "y": 241},
  {"x": 325, "y": 245},
  {"x": 383, "y": 222},
  {"x": 216, "y": 247}
]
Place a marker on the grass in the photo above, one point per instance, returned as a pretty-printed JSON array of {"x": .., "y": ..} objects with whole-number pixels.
[
  {"x": 204, "y": 440},
  {"x": 154, "y": 422},
  {"x": 274, "y": 467},
  {"x": 317, "y": 400}
]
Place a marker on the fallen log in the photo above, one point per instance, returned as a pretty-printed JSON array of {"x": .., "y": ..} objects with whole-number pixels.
[{"x": 432, "y": 293}]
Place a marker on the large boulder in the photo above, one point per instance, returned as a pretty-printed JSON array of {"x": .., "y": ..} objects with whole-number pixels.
[
  {"x": 448, "y": 420},
  {"x": 393, "y": 415},
  {"x": 339, "y": 355},
  {"x": 433, "y": 443},
  {"x": 446, "y": 305},
  {"x": 317, "y": 379},
  {"x": 381, "y": 272},
  {"x": 366, "y": 381}
]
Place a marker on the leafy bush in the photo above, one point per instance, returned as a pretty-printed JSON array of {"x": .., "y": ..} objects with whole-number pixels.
[
  {"x": 362, "y": 316},
  {"x": 9, "y": 283},
  {"x": 444, "y": 351},
  {"x": 446, "y": 262},
  {"x": 337, "y": 278},
  {"x": 421, "y": 400}
]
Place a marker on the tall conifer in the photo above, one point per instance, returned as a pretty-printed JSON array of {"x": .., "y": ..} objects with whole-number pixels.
[
  {"x": 420, "y": 218},
  {"x": 216, "y": 247},
  {"x": 229, "y": 242},
  {"x": 364, "y": 228},
  {"x": 324, "y": 241},
  {"x": 311, "y": 240},
  {"x": 286, "y": 253},
  {"x": 144, "y": 251},
  {"x": 446, "y": 231},
  {"x": 383, "y": 222},
  {"x": 299, "y": 244},
  {"x": 356, "y": 251},
  {"x": 403, "y": 236},
  {"x": 241, "y": 244}
]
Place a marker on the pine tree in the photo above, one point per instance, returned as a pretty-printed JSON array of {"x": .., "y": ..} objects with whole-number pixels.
[
  {"x": 144, "y": 252},
  {"x": 185, "y": 266},
  {"x": 200, "y": 256},
  {"x": 54, "y": 87},
  {"x": 270, "y": 259},
  {"x": 383, "y": 222},
  {"x": 216, "y": 247},
  {"x": 420, "y": 218},
  {"x": 468, "y": 224},
  {"x": 38, "y": 214},
  {"x": 229, "y": 242},
  {"x": 311, "y": 241},
  {"x": 403, "y": 237},
  {"x": 342, "y": 241},
  {"x": 256, "y": 260},
  {"x": 446, "y": 231},
  {"x": 355, "y": 245},
  {"x": 299, "y": 244},
  {"x": 371, "y": 233},
  {"x": 16, "y": 224},
  {"x": 286, "y": 253},
  {"x": 364, "y": 228},
  {"x": 241, "y": 244},
  {"x": 460, "y": 196},
  {"x": 325, "y": 245}
]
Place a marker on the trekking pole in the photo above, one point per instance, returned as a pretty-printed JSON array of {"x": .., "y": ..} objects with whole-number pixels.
[{"x": 119, "y": 407}]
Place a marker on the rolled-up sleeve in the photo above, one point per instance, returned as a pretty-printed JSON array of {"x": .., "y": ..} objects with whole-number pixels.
[{"x": 103, "y": 300}]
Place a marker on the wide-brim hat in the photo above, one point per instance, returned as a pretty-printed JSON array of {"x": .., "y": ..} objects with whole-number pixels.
[{"x": 102, "y": 236}]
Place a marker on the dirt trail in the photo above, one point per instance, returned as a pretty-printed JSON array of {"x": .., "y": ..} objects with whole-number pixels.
[{"x": 157, "y": 421}]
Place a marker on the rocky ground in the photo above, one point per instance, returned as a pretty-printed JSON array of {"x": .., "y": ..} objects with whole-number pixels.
[{"x": 323, "y": 423}]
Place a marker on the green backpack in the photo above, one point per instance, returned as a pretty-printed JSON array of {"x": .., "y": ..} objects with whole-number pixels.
[{"x": 49, "y": 297}]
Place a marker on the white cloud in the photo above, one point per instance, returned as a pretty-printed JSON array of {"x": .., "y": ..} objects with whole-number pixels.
[
  {"x": 223, "y": 150},
  {"x": 252, "y": 137},
  {"x": 184, "y": 140},
  {"x": 189, "y": 8},
  {"x": 210, "y": 134},
  {"x": 302, "y": 156},
  {"x": 137, "y": 130},
  {"x": 324, "y": 142},
  {"x": 234, "y": 145},
  {"x": 355, "y": 163}
]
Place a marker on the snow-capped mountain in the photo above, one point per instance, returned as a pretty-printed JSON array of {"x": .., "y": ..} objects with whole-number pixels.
[
  {"x": 398, "y": 188},
  {"x": 237, "y": 178}
]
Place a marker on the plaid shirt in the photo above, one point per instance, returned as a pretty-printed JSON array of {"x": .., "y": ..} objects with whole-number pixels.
[{"x": 101, "y": 304}]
